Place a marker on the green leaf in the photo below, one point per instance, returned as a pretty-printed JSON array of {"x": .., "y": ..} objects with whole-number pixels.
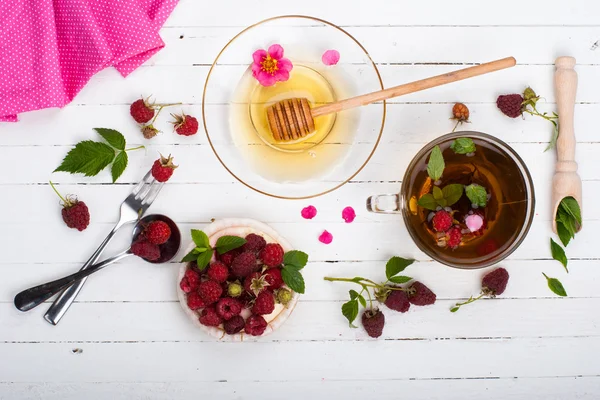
[
  {"x": 563, "y": 233},
  {"x": 427, "y": 201},
  {"x": 553, "y": 138},
  {"x": 88, "y": 158},
  {"x": 191, "y": 256},
  {"x": 400, "y": 279},
  {"x": 436, "y": 165},
  {"x": 362, "y": 300},
  {"x": 353, "y": 294},
  {"x": 350, "y": 311},
  {"x": 199, "y": 250},
  {"x": 454, "y": 309},
  {"x": 555, "y": 285},
  {"x": 452, "y": 193},
  {"x": 357, "y": 279},
  {"x": 463, "y": 146},
  {"x": 476, "y": 194},
  {"x": 227, "y": 243},
  {"x": 395, "y": 265},
  {"x": 558, "y": 253},
  {"x": 119, "y": 165},
  {"x": 200, "y": 238},
  {"x": 112, "y": 137},
  {"x": 295, "y": 258},
  {"x": 571, "y": 207},
  {"x": 437, "y": 193},
  {"x": 293, "y": 278},
  {"x": 204, "y": 259}
]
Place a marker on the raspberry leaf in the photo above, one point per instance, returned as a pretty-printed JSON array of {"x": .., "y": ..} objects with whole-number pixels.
[
  {"x": 191, "y": 256},
  {"x": 452, "y": 193},
  {"x": 350, "y": 311},
  {"x": 353, "y": 294},
  {"x": 119, "y": 165},
  {"x": 400, "y": 279},
  {"x": 476, "y": 194},
  {"x": 558, "y": 253},
  {"x": 436, "y": 165},
  {"x": 463, "y": 146},
  {"x": 200, "y": 238},
  {"x": 295, "y": 258},
  {"x": 112, "y": 137},
  {"x": 555, "y": 285},
  {"x": 395, "y": 265},
  {"x": 362, "y": 300},
  {"x": 227, "y": 243},
  {"x": 88, "y": 158},
  {"x": 293, "y": 278},
  {"x": 204, "y": 259},
  {"x": 428, "y": 201}
]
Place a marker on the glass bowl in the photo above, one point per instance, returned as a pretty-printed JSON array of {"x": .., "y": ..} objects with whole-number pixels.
[
  {"x": 507, "y": 215},
  {"x": 233, "y": 109}
]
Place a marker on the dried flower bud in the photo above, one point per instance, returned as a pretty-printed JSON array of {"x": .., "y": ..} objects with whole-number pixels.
[{"x": 149, "y": 131}]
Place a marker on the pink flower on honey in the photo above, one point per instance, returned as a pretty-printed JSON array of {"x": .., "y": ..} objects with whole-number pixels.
[
  {"x": 309, "y": 212},
  {"x": 331, "y": 57},
  {"x": 270, "y": 67},
  {"x": 348, "y": 214},
  {"x": 326, "y": 237}
]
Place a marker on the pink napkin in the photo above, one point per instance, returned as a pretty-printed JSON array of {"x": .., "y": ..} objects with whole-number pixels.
[{"x": 49, "y": 49}]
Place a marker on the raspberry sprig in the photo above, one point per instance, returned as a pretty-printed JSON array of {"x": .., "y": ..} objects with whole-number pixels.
[{"x": 492, "y": 285}]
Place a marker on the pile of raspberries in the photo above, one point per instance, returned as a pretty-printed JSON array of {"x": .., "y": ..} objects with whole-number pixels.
[{"x": 242, "y": 282}]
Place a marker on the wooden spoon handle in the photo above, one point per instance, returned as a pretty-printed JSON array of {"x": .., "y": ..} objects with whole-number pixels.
[
  {"x": 414, "y": 86},
  {"x": 565, "y": 82}
]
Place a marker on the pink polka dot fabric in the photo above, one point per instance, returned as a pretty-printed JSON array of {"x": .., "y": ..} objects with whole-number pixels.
[{"x": 49, "y": 49}]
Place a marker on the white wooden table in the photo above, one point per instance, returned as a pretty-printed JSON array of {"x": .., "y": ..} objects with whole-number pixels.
[{"x": 126, "y": 337}]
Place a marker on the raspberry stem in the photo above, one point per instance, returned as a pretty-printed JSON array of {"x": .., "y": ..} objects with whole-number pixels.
[
  {"x": 471, "y": 300},
  {"x": 361, "y": 282},
  {"x": 59, "y": 195},
  {"x": 135, "y": 148}
]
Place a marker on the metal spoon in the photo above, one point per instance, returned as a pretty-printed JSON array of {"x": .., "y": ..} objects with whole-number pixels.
[{"x": 32, "y": 297}]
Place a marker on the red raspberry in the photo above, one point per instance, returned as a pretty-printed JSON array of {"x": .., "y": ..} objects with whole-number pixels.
[
  {"x": 193, "y": 278},
  {"x": 218, "y": 272},
  {"x": 272, "y": 255},
  {"x": 255, "y": 325},
  {"x": 254, "y": 284},
  {"x": 185, "y": 125},
  {"x": 373, "y": 322},
  {"x": 510, "y": 104},
  {"x": 227, "y": 258},
  {"x": 234, "y": 325},
  {"x": 264, "y": 304},
  {"x": 398, "y": 301},
  {"x": 254, "y": 243},
  {"x": 185, "y": 285},
  {"x": 157, "y": 232},
  {"x": 146, "y": 250},
  {"x": 209, "y": 317},
  {"x": 454, "y": 237},
  {"x": 442, "y": 221},
  {"x": 163, "y": 168},
  {"x": 494, "y": 283},
  {"x": 420, "y": 295},
  {"x": 141, "y": 111},
  {"x": 244, "y": 264},
  {"x": 228, "y": 308},
  {"x": 75, "y": 213},
  {"x": 210, "y": 291},
  {"x": 247, "y": 299},
  {"x": 194, "y": 301},
  {"x": 273, "y": 278}
]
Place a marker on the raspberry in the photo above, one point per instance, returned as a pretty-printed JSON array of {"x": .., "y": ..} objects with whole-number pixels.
[
  {"x": 247, "y": 299},
  {"x": 194, "y": 301},
  {"x": 420, "y": 295},
  {"x": 218, "y": 272},
  {"x": 442, "y": 221},
  {"x": 75, "y": 213},
  {"x": 185, "y": 285},
  {"x": 254, "y": 243},
  {"x": 487, "y": 247},
  {"x": 163, "y": 168},
  {"x": 255, "y": 325},
  {"x": 234, "y": 289},
  {"x": 454, "y": 237},
  {"x": 227, "y": 258},
  {"x": 210, "y": 291},
  {"x": 244, "y": 264},
  {"x": 157, "y": 232},
  {"x": 373, "y": 322},
  {"x": 185, "y": 125},
  {"x": 209, "y": 317},
  {"x": 141, "y": 111},
  {"x": 255, "y": 283},
  {"x": 234, "y": 325},
  {"x": 264, "y": 304},
  {"x": 193, "y": 278},
  {"x": 398, "y": 301},
  {"x": 510, "y": 104},
  {"x": 272, "y": 255},
  {"x": 146, "y": 250},
  {"x": 460, "y": 112},
  {"x": 228, "y": 308},
  {"x": 284, "y": 296},
  {"x": 273, "y": 278},
  {"x": 494, "y": 283}
]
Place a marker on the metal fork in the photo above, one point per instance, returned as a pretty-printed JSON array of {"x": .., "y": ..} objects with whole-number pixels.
[{"x": 132, "y": 209}]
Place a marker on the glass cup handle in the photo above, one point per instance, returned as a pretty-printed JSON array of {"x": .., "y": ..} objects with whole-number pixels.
[{"x": 374, "y": 204}]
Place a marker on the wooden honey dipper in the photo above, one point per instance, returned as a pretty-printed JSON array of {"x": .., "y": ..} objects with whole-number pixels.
[{"x": 293, "y": 119}]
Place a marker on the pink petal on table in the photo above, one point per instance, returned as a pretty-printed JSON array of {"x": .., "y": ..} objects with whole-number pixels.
[
  {"x": 474, "y": 222},
  {"x": 326, "y": 237},
  {"x": 331, "y": 57},
  {"x": 348, "y": 214},
  {"x": 309, "y": 212}
]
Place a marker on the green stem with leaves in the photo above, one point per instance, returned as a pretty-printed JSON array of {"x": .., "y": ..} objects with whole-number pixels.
[
  {"x": 360, "y": 282},
  {"x": 471, "y": 300}
]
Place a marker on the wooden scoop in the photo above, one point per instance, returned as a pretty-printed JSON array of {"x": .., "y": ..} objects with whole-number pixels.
[
  {"x": 566, "y": 182},
  {"x": 293, "y": 119}
]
